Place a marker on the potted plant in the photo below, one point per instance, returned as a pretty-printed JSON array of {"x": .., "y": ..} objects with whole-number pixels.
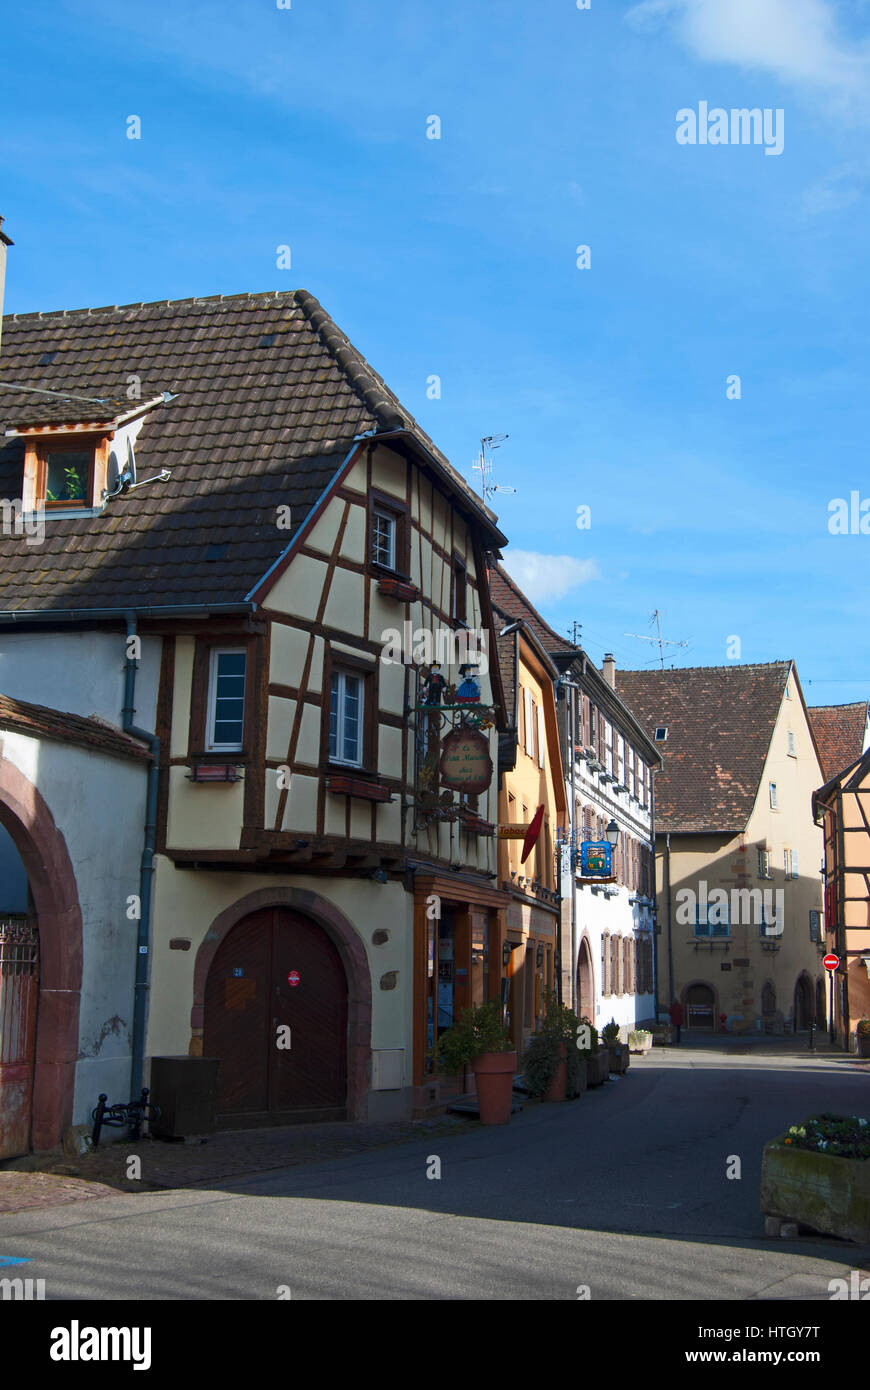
[
  {"x": 480, "y": 1040},
  {"x": 617, "y": 1050},
  {"x": 552, "y": 1066},
  {"x": 640, "y": 1040},
  {"x": 863, "y": 1034},
  {"x": 590, "y": 1050},
  {"x": 818, "y": 1174}
]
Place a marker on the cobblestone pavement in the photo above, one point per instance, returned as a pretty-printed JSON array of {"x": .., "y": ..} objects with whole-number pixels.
[{"x": 49, "y": 1179}]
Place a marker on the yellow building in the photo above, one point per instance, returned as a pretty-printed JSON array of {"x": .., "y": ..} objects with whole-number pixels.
[
  {"x": 739, "y": 896},
  {"x": 531, "y": 777}
]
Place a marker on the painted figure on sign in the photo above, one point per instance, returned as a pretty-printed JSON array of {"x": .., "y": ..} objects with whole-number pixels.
[
  {"x": 432, "y": 684},
  {"x": 468, "y": 691}
]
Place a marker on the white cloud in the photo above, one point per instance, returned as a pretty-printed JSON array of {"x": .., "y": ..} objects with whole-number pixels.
[
  {"x": 797, "y": 40},
  {"x": 837, "y": 189},
  {"x": 544, "y": 577}
]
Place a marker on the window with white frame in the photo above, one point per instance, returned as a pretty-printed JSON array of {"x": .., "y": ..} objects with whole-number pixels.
[
  {"x": 541, "y": 740},
  {"x": 791, "y": 863},
  {"x": 346, "y": 719},
  {"x": 791, "y": 748},
  {"x": 608, "y": 747},
  {"x": 384, "y": 539},
  {"x": 530, "y": 722},
  {"x": 764, "y": 864},
  {"x": 620, "y": 758},
  {"x": 225, "y": 724},
  {"x": 817, "y": 931},
  {"x": 773, "y": 800}
]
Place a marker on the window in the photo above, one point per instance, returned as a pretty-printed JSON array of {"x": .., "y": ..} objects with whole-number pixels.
[
  {"x": 764, "y": 864},
  {"x": 67, "y": 476},
  {"x": 541, "y": 740},
  {"x": 791, "y": 863},
  {"x": 608, "y": 747},
  {"x": 458, "y": 598},
  {"x": 389, "y": 534},
  {"x": 528, "y": 706},
  {"x": 346, "y": 718},
  {"x": 791, "y": 748},
  {"x": 384, "y": 539},
  {"x": 226, "y": 701},
  {"x": 661, "y": 733},
  {"x": 620, "y": 758},
  {"x": 712, "y": 920},
  {"x": 772, "y": 789},
  {"x": 768, "y": 999},
  {"x": 605, "y": 963},
  {"x": 617, "y": 984},
  {"x": 816, "y": 932}
]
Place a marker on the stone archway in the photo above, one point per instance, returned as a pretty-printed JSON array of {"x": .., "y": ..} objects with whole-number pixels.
[
  {"x": 585, "y": 982},
  {"x": 701, "y": 1003},
  {"x": 351, "y": 951},
  {"x": 25, "y": 815},
  {"x": 804, "y": 1003}
]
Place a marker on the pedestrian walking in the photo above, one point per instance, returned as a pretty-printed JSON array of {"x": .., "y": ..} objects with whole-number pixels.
[{"x": 677, "y": 1016}]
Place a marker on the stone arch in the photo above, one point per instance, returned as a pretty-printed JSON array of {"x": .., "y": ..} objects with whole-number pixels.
[
  {"x": 26, "y": 816},
  {"x": 585, "y": 982},
  {"x": 347, "y": 942},
  {"x": 697, "y": 985}
]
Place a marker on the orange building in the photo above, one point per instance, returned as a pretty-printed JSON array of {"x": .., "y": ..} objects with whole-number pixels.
[{"x": 842, "y": 806}]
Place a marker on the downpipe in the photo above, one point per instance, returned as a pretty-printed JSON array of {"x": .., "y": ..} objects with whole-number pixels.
[{"x": 146, "y": 866}]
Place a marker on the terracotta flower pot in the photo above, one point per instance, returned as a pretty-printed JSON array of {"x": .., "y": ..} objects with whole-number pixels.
[
  {"x": 494, "y": 1074},
  {"x": 558, "y": 1088}
]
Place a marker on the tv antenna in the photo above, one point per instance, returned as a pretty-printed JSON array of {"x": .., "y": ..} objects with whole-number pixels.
[
  {"x": 483, "y": 464},
  {"x": 661, "y": 642}
]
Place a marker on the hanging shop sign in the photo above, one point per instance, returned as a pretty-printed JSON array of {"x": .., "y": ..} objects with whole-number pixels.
[
  {"x": 512, "y": 830},
  {"x": 596, "y": 859},
  {"x": 465, "y": 762}
]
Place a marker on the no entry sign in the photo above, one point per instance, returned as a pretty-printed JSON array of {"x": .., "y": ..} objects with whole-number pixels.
[
  {"x": 831, "y": 962},
  {"x": 293, "y": 978}
]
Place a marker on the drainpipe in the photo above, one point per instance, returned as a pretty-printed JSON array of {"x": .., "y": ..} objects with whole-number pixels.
[{"x": 146, "y": 869}]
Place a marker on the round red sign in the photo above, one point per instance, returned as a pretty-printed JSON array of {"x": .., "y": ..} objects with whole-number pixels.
[
  {"x": 293, "y": 977},
  {"x": 831, "y": 962}
]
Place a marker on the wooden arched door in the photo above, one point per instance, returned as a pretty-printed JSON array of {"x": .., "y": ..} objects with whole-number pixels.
[
  {"x": 277, "y": 970},
  {"x": 701, "y": 1008}
]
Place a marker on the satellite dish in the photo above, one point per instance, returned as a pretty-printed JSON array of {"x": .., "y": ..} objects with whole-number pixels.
[{"x": 113, "y": 472}]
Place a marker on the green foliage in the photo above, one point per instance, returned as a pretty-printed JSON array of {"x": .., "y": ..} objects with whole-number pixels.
[
  {"x": 844, "y": 1136},
  {"x": 544, "y": 1050},
  {"x": 479, "y": 1030},
  {"x": 610, "y": 1032},
  {"x": 863, "y": 1028}
]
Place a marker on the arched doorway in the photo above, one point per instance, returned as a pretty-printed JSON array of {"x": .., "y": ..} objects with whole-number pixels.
[
  {"x": 50, "y": 941},
  {"x": 701, "y": 1008},
  {"x": 585, "y": 983},
  {"x": 276, "y": 977},
  {"x": 804, "y": 1011}
]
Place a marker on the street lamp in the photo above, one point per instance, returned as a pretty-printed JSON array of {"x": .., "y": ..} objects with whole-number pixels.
[{"x": 612, "y": 833}]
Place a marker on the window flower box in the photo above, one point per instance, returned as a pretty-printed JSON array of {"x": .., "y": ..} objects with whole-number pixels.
[
  {"x": 391, "y": 586},
  {"x": 347, "y": 784},
  {"x": 475, "y": 824},
  {"x": 214, "y": 772},
  {"x": 825, "y": 1191}
]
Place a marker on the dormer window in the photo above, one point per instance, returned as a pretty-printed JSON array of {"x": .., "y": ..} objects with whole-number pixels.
[
  {"x": 63, "y": 472},
  {"x": 389, "y": 540}
]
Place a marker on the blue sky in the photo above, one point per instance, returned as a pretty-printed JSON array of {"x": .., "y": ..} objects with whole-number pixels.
[{"x": 456, "y": 257}]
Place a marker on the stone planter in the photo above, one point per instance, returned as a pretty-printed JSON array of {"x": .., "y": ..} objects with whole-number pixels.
[
  {"x": 829, "y": 1194},
  {"x": 598, "y": 1067},
  {"x": 494, "y": 1074},
  {"x": 557, "y": 1088},
  {"x": 619, "y": 1058},
  {"x": 582, "y": 1078},
  {"x": 640, "y": 1041},
  {"x": 863, "y": 1040}
]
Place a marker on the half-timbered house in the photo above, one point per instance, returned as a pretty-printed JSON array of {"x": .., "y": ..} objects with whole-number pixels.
[{"x": 222, "y": 492}]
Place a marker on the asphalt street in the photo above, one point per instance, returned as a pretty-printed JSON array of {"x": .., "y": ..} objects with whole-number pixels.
[{"x": 623, "y": 1192}]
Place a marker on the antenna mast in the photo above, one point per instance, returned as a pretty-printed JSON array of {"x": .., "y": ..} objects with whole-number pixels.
[
  {"x": 483, "y": 464},
  {"x": 661, "y": 642}
]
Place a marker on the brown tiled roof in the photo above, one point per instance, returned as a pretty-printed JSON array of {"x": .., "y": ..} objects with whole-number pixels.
[
  {"x": 43, "y": 722},
  {"x": 512, "y": 603},
  {"x": 270, "y": 397},
  {"x": 720, "y": 721},
  {"x": 839, "y": 734}
]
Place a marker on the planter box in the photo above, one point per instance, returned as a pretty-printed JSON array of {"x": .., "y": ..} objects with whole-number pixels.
[
  {"x": 863, "y": 1040},
  {"x": 829, "y": 1194},
  {"x": 640, "y": 1041},
  {"x": 582, "y": 1078},
  {"x": 598, "y": 1068},
  {"x": 619, "y": 1058},
  {"x": 556, "y": 1089}
]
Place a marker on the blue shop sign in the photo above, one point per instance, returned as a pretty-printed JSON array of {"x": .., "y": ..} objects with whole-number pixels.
[{"x": 596, "y": 858}]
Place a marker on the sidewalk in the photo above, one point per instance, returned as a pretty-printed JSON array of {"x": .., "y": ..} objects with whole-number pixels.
[{"x": 43, "y": 1180}]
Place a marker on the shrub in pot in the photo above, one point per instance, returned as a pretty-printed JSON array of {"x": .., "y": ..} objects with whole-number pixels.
[
  {"x": 480, "y": 1040},
  {"x": 863, "y": 1032},
  {"x": 553, "y": 1068},
  {"x": 617, "y": 1050}
]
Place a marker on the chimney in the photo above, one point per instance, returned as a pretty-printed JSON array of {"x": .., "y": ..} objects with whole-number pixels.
[
  {"x": 608, "y": 670},
  {"x": 4, "y": 242}
]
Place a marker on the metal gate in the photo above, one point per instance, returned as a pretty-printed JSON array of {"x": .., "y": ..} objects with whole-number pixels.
[{"x": 19, "y": 994}]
